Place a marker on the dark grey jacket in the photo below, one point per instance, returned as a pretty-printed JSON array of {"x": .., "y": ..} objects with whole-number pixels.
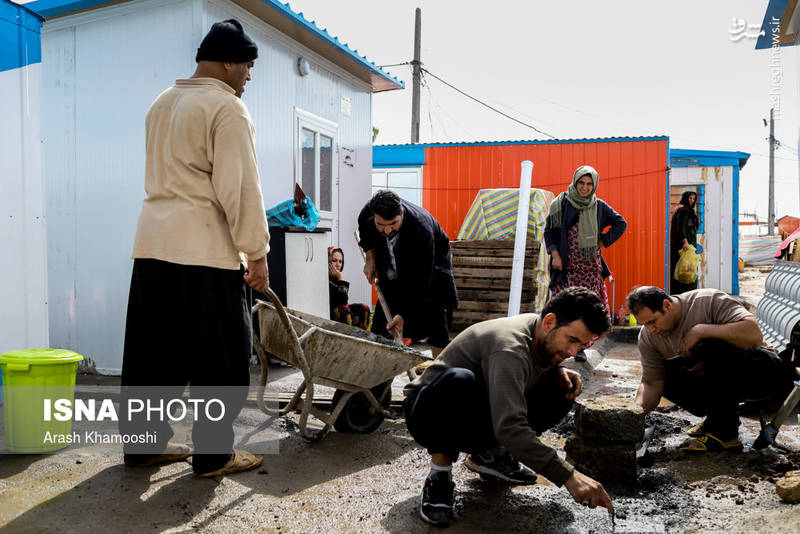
[{"x": 556, "y": 238}]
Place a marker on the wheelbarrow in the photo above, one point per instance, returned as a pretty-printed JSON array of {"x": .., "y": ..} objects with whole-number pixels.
[{"x": 359, "y": 364}]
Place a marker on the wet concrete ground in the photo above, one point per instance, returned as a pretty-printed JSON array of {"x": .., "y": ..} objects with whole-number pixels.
[{"x": 371, "y": 483}]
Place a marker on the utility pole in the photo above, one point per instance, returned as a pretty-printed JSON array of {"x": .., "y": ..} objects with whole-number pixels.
[
  {"x": 416, "y": 64},
  {"x": 771, "y": 208}
]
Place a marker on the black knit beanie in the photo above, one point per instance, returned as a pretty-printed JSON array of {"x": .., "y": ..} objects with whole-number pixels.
[{"x": 227, "y": 42}]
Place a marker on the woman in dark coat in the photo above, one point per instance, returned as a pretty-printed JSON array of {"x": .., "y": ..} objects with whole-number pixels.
[
  {"x": 338, "y": 288},
  {"x": 573, "y": 239},
  {"x": 683, "y": 232},
  {"x": 352, "y": 314}
]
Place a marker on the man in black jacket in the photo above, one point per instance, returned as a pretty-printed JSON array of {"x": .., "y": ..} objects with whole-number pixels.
[{"x": 408, "y": 254}]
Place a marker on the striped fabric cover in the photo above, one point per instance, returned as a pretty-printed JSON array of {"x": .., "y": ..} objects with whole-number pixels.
[{"x": 493, "y": 215}]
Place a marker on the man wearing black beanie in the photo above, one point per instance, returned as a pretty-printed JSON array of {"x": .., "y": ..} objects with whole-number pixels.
[
  {"x": 201, "y": 245},
  {"x": 226, "y": 53}
]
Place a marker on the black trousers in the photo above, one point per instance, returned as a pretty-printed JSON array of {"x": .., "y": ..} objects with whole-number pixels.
[
  {"x": 718, "y": 376},
  {"x": 451, "y": 414},
  {"x": 190, "y": 325},
  {"x": 427, "y": 320}
]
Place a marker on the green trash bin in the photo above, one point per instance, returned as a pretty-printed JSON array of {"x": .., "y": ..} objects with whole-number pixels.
[{"x": 29, "y": 378}]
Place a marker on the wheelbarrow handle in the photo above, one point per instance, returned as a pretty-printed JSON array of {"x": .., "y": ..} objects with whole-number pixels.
[{"x": 294, "y": 339}]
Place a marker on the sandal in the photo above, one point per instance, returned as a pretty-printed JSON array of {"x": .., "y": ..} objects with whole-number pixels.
[
  {"x": 175, "y": 452},
  {"x": 710, "y": 443},
  {"x": 697, "y": 430},
  {"x": 241, "y": 461},
  {"x": 419, "y": 369}
]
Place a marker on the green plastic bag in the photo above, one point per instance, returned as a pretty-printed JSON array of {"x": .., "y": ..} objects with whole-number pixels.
[{"x": 686, "y": 268}]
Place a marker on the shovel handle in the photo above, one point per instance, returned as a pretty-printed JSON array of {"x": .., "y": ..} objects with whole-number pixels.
[{"x": 384, "y": 305}]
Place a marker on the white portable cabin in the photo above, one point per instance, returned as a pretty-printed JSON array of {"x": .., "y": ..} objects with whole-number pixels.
[
  {"x": 103, "y": 64},
  {"x": 23, "y": 260},
  {"x": 714, "y": 176}
]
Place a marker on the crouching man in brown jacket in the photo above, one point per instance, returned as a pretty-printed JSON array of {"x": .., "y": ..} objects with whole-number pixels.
[{"x": 493, "y": 390}]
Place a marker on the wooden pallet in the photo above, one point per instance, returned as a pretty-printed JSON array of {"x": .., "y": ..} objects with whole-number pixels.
[{"x": 482, "y": 272}]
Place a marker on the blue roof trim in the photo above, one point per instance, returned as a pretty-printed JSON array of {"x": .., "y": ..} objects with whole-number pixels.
[
  {"x": 398, "y": 156},
  {"x": 535, "y": 142},
  {"x": 51, "y": 8},
  {"x": 20, "y": 39},
  {"x": 775, "y": 10},
  {"x": 706, "y": 158},
  {"x": 323, "y": 34}
]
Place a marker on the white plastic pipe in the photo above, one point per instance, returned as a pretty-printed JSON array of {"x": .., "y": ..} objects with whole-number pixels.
[{"x": 520, "y": 238}]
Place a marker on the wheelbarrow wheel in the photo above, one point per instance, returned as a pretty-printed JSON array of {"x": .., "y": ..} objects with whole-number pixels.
[{"x": 358, "y": 415}]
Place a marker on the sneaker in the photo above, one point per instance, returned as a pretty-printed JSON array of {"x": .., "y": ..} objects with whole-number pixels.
[
  {"x": 504, "y": 467},
  {"x": 436, "y": 501},
  {"x": 580, "y": 357},
  {"x": 710, "y": 443}
]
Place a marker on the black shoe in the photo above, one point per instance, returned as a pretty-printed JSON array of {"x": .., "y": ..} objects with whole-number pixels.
[
  {"x": 504, "y": 467},
  {"x": 436, "y": 502},
  {"x": 580, "y": 357}
]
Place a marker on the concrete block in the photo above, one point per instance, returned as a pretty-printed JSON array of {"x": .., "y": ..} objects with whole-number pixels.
[
  {"x": 603, "y": 461},
  {"x": 614, "y": 418},
  {"x": 788, "y": 487}
]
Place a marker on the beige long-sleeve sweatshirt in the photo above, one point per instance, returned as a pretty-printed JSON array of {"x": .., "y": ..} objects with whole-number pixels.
[{"x": 204, "y": 204}]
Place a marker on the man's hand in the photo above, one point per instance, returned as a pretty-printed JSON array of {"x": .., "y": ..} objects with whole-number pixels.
[
  {"x": 257, "y": 274},
  {"x": 571, "y": 381},
  {"x": 370, "y": 270},
  {"x": 685, "y": 245},
  {"x": 395, "y": 326},
  {"x": 586, "y": 490},
  {"x": 557, "y": 265},
  {"x": 649, "y": 394},
  {"x": 692, "y": 338},
  {"x": 334, "y": 272}
]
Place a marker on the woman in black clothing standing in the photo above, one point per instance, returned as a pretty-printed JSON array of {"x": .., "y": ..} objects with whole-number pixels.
[{"x": 683, "y": 233}]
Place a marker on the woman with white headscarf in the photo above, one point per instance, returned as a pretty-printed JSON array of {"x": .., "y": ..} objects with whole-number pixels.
[{"x": 573, "y": 235}]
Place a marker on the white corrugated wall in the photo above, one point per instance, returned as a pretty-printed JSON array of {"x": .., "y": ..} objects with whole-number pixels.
[
  {"x": 23, "y": 280},
  {"x": 275, "y": 91},
  {"x": 102, "y": 70}
]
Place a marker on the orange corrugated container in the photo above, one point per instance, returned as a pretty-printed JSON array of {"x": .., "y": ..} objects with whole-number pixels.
[{"x": 633, "y": 180}]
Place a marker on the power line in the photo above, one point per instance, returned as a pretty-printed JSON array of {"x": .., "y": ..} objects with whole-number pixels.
[
  {"x": 394, "y": 65},
  {"x": 781, "y": 144},
  {"x": 487, "y": 105},
  {"x": 776, "y": 157}
]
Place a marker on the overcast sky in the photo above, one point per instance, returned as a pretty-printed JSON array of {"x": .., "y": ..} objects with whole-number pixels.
[{"x": 585, "y": 69}]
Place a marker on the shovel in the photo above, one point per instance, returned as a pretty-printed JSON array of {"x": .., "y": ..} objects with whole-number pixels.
[
  {"x": 384, "y": 305},
  {"x": 770, "y": 430},
  {"x": 641, "y": 448}
]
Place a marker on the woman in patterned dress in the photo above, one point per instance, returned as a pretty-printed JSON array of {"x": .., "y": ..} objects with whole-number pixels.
[{"x": 573, "y": 235}]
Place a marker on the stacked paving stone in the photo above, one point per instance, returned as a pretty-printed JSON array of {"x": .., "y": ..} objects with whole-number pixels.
[
  {"x": 607, "y": 432},
  {"x": 788, "y": 487}
]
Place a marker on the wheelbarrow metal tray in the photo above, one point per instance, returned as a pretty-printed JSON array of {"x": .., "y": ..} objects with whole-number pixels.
[{"x": 335, "y": 351}]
